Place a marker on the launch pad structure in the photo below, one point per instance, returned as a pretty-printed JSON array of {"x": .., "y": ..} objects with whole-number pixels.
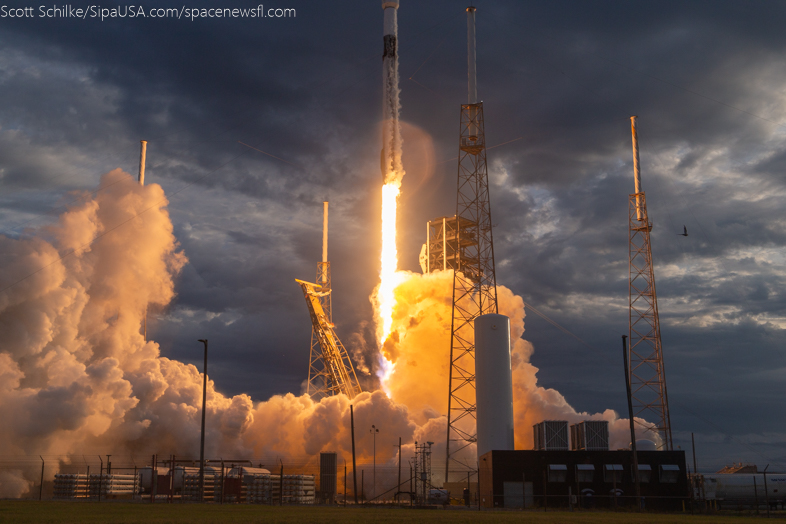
[
  {"x": 472, "y": 255},
  {"x": 647, "y": 373},
  {"x": 330, "y": 370}
]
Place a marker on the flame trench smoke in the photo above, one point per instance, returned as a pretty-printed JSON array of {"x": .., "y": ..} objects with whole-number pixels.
[
  {"x": 77, "y": 376},
  {"x": 392, "y": 173}
]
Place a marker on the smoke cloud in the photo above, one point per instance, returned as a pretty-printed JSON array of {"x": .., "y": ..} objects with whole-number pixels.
[
  {"x": 77, "y": 376},
  {"x": 419, "y": 346}
]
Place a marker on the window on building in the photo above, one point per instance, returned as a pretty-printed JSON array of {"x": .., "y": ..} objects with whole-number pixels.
[
  {"x": 645, "y": 472},
  {"x": 612, "y": 473},
  {"x": 669, "y": 473},
  {"x": 585, "y": 472},
  {"x": 558, "y": 473}
]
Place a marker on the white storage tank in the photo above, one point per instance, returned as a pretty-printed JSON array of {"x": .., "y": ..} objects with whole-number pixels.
[{"x": 494, "y": 383}]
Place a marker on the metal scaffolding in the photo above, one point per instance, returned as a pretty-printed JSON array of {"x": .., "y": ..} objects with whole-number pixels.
[
  {"x": 444, "y": 236},
  {"x": 317, "y": 377},
  {"x": 474, "y": 282},
  {"x": 422, "y": 475},
  {"x": 647, "y": 374},
  {"x": 335, "y": 374}
]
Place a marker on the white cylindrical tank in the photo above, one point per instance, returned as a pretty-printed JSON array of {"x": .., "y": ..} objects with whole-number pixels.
[
  {"x": 741, "y": 489},
  {"x": 493, "y": 383}
]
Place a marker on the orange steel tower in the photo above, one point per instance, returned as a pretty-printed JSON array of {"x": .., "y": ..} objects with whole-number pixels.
[
  {"x": 647, "y": 374},
  {"x": 474, "y": 279},
  {"x": 330, "y": 369}
]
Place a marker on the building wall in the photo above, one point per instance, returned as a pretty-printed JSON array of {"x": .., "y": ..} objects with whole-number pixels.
[{"x": 522, "y": 477}]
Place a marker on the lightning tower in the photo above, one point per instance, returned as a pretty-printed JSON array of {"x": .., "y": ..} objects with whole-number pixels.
[
  {"x": 474, "y": 279},
  {"x": 141, "y": 180},
  {"x": 647, "y": 374},
  {"x": 330, "y": 369}
]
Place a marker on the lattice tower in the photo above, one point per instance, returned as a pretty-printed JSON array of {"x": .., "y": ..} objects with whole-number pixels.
[
  {"x": 336, "y": 374},
  {"x": 474, "y": 279},
  {"x": 647, "y": 374},
  {"x": 330, "y": 369}
]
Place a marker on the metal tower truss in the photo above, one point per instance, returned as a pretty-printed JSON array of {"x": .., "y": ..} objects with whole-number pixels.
[
  {"x": 474, "y": 282},
  {"x": 443, "y": 238},
  {"x": 647, "y": 374},
  {"x": 423, "y": 483},
  {"x": 317, "y": 376},
  {"x": 330, "y": 370}
]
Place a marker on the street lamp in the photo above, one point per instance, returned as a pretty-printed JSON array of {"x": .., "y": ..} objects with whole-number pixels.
[
  {"x": 374, "y": 430},
  {"x": 202, "y": 443}
]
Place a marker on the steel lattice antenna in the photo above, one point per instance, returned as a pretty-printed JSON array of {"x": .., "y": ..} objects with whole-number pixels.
[
  {"x": 647, "y": 374},
  {"x": 474, "y": 279},
  {"x": 330, "y": 369}
]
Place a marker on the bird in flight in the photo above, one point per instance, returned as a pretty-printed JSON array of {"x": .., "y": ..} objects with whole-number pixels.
[{"x": 685, "y": 231}]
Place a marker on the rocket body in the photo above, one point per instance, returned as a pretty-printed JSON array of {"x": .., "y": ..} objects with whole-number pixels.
[{"x": 392, "y": 170}]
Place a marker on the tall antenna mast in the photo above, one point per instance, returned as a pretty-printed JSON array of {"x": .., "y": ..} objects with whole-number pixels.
[
  {"x": 316, "y": 365},
  {"x": 474, "y": 278},
  {"x": 325, "y": 265},
  {"x": 142, "y": 158},
  {"x": 647, "y": 374},
  {"x": 330, "y": 370}
]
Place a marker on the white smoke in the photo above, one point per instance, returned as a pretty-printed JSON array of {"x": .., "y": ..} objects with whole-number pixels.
[{"x": 77, "y": 376}]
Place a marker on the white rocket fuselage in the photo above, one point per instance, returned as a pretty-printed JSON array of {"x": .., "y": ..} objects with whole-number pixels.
[{"x": 391, "y": 131}]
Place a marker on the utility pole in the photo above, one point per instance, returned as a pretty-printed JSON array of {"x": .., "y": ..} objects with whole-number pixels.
[
  {"x": 202, "y": 440},
  {"x": 354, "y": 463},
  {"x": 636, "y": 478},
  {"x": 41, "y": 487},
  {"x": 398, "y": 490},
  {"x": 374, "y": 430}
]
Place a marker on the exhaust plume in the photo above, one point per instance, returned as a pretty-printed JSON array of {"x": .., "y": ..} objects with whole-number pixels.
[{"x": 77, "y": 376}]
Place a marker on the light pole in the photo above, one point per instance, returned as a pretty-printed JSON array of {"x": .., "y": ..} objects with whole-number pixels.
[
  {"x": 202, "y": 443},
  {"x": 374, "y": 430}
]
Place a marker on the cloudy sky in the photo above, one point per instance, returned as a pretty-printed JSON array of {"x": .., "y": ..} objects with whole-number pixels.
[{"x": 559, "y": 81}]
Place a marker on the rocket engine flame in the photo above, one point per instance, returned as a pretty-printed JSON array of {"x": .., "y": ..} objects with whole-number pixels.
[{"x": 388, "y": 276}]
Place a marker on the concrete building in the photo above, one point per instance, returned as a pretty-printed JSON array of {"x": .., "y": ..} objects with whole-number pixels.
[{"x": 530, "y": 478}]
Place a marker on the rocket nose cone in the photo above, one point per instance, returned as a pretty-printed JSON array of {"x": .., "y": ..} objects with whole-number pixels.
[{"x": 389, "y": 3}]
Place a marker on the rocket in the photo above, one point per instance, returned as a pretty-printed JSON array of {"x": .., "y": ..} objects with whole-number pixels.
[{"x": 390, "y": 158}]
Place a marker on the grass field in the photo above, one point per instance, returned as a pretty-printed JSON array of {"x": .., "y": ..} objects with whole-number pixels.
[{"x": 126, "y": 513}]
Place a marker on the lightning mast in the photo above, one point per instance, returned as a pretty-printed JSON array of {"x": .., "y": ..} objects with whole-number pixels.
[
  {"x": 141, "y": 180},
  {"x": 474, "y": 279},
  {"x": 647, "y": 374},
  {"x": 330, "y": 369}
]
